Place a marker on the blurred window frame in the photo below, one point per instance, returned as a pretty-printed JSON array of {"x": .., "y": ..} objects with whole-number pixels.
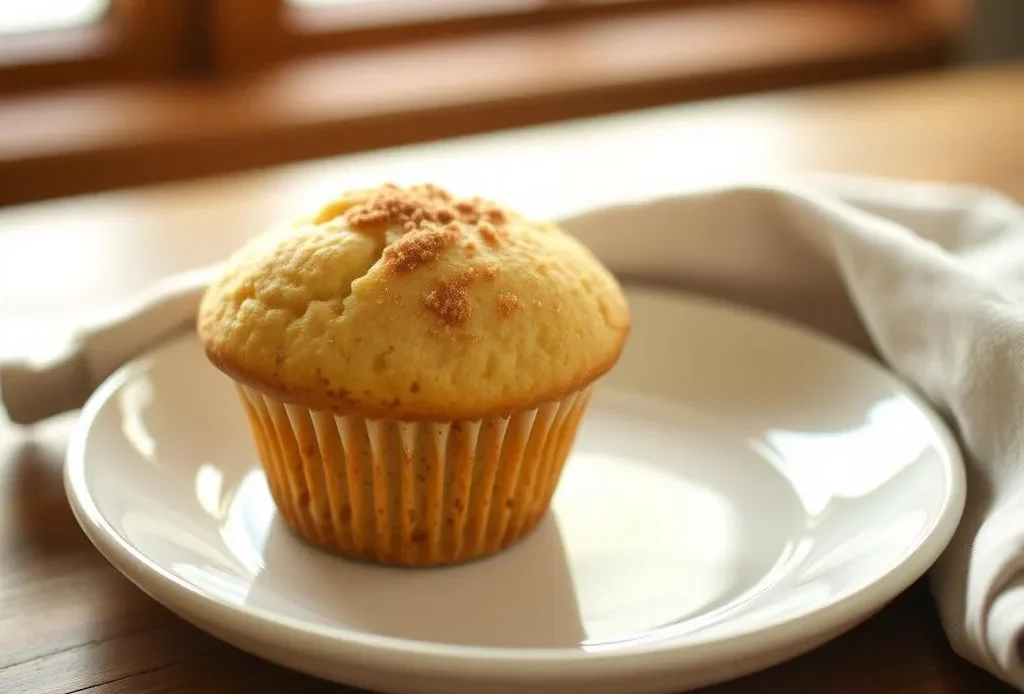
[
  {"x": 134, "y": 40},
  {"x": 162, "y": 90}
]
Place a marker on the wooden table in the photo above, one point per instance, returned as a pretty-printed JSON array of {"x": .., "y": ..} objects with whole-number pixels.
[{"x": 70, "y": 623}]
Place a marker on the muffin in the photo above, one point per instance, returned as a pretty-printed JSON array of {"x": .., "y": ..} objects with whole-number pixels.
[{"x": 414, "y": 367}]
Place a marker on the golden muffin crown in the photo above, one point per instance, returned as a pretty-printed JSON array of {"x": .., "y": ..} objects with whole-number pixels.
[{"x": 412, "y": 303}]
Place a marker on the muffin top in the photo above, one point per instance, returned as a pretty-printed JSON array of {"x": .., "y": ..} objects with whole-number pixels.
[{"x": 410, "y": 303}]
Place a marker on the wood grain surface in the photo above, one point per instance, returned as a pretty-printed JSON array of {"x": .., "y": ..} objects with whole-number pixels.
[{"x": 69, "y": 623}]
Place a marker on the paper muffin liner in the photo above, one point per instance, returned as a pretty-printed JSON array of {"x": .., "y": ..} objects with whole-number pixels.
[{"x": 412, "y": 493}]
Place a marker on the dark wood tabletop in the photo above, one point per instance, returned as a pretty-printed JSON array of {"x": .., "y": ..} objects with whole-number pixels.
[{"x": 70, "y": 623}]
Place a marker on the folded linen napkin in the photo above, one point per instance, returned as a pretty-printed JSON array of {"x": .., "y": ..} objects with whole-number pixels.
[{"x": 929, "y": 277}]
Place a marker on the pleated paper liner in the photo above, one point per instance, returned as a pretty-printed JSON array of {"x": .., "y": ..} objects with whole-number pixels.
[{"x": 412, "y": 493}]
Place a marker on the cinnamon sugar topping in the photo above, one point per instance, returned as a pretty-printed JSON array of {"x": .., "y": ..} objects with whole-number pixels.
[
  {"x": 361, "y": 219},
  {"x": 450, "y": 302},
  {"x": 417, "y": 249},
  {"x": 411, "y": 209},
  {"x": 508, "y": 303},
  {"x": 475, "y": 210},
  {"x": 485, "y": 273},
  {"x": 422, "y": 205},
  {"x": 430, "y": 219}
]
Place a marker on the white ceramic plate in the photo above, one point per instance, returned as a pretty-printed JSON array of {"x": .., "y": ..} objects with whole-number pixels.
[{"x": 742, "y": 491}]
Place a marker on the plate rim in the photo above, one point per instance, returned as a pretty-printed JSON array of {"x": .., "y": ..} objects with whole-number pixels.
[{"x": 422, "y": 656}]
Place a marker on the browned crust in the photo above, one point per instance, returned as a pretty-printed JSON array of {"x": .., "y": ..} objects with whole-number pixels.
[{"x": 343, "y": 403}]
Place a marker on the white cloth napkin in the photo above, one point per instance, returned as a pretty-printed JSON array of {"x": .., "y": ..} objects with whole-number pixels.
[{"x": 929, "y": 277}]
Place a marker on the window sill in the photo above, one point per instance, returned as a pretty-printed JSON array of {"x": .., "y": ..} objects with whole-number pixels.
[{"x": 85, "y": 140}]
